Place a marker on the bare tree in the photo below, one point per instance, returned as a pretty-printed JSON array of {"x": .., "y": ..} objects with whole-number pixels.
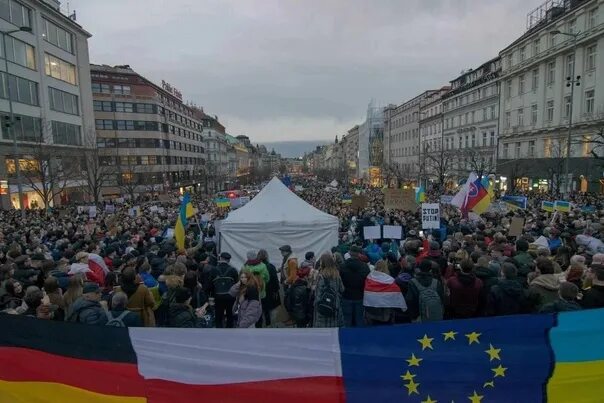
[
  {"x": 555, "y": 165},
  {"x": 438, "y": 165},
  {"x": 127, "y": 179},
  {"x": 480, "y": 162},
  {"x": 396, "y": 172}
]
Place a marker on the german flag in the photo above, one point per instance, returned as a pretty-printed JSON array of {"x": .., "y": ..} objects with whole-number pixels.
[{"x": 47, "y": 361}]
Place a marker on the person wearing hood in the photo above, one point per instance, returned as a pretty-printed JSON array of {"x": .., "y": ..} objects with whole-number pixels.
[
  {"x": 507, "y": 297},
  {"x": 543, "y": 289},
  {"x": 87, "y": 308},
  {"x": 258, "y": 269},
  {"x": 593, "y": 297},
  {"x": 566, "y": 301},
  {"x": 464, "y": 293},
  {"x": 140, "y": 299}
]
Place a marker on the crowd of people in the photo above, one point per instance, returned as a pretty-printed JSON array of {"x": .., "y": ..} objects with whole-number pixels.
[{"x": 121, "y": 269}]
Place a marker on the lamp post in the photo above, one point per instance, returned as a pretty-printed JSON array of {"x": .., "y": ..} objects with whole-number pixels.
[
  {"x": 571, "y": 81},
  {"x": 11, "y": 123}
]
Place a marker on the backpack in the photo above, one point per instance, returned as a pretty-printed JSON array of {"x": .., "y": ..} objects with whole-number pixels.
[
  {"x": 326, "y": 305},
  {"x": 222, "y": 283},
  {"x": 115, "y": 322},
  {"x": 430, "y": 305}
]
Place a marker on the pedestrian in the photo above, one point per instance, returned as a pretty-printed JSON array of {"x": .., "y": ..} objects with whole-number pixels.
[
  {"x": 381, "y": 296},
  {"x": 297, "y": 297},
  {"x": 140, "y": 299},
  {"x": 566, "y": 301},
  {"x": 87, "y": 308},
  {"x": 328, "y": 295},
  {"x": 593, "y": 297},
  {"x": 543, "y": 289},
  {"x": 272, "y": 299},
  {"x": 464, "y": 293},
  {"x": 222, "y": 279},
  {"x": 289, "y": 265},
  {"x": 119, "y": 315},
  {"x": 425, "y": 295},
  {"x": 353, "y": 274},
  {"x": 508, "y": 296},
  {"x": 259, "y": 270},
  {"x": 247, "y": 307}
]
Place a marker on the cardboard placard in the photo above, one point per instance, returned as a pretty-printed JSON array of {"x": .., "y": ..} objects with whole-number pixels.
[
  {"x": 393, "y": 232},
  {"x": 446, "y": 199},
  {"x": 92, "y": 211},
  {"x": 358, "y": 201},
  {"x": 430, "y": 215},
  {"x": 516, "y": 226},
  {"x": 109, "y": 209},
  {"x": 399, "y": 199},
  {"x": 372, "y": 232},
  {"x": 153, "y": 209}
]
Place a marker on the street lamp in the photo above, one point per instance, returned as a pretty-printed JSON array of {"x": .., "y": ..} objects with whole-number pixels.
[
  {"x": 11, "y": 123},
  {"x": 571, "y": 81}
]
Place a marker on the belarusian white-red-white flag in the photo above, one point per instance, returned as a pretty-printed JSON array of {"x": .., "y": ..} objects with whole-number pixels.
[{"x": 382, "y": 292}]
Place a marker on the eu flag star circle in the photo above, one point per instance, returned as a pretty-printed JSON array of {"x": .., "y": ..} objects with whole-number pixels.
[{"x": 493, "y": 356}]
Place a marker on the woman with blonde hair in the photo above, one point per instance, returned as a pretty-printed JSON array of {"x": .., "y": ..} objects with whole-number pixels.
[
  {"x": 247, "y": 306},
  {"x": 73, "y": 292},
  {"x": 328, "y": 294}
]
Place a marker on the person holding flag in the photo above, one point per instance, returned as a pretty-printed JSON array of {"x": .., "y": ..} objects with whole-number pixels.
[{"x": 186, "y": 211}]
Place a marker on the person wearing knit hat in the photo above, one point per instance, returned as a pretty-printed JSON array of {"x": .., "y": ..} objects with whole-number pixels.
[{"x": 567, "y": 300}]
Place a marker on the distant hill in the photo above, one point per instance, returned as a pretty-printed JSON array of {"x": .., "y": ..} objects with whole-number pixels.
[{"x": 293, "y": 149}]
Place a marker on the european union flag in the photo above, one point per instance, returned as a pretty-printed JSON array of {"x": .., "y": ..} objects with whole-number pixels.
[{"x": 478, "y": 360}]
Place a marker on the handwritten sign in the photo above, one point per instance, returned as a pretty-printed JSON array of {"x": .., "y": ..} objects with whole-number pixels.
[
  {"x": 399, "y": 199},
  {"x": 430, "y": 216}
]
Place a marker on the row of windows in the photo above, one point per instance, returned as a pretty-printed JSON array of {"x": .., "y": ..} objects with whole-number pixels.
[
  {"x": 472, "y": 117},
  {"x": 108, "y": 124},
  {"x": 19, "y": 52},
  {"x": 15, "y": 12},
  {"x": 57, "y": 36},
  {"x": 131, "y": 160},
  {"x": 471, "y": 97},
  {"x": 404, "y": 151},
  {"x": 552, "y": 148},
  {"x": 21, "y": 89},
  {"x": 148, "y": 143},
  {"x": 471, "y": 141},
  {"x": 119, "y": 89},
  {"x": 62, "y": 101},
  {"x": 109, "y": 106},
  {"x": 26, "y": 128},
  {"x": 153, "y": 178},
  {"x": 406, "y": 135},
  {"x": 588, "y": 109},
  {"x": 403, "y": 120},
  {"x": 591, "y": 21},
  {"x": 66, "y": 134}
]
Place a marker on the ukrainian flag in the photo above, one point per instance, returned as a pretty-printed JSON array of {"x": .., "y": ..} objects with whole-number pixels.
[
  {"x": 346, "y": 199},
  {"x": 562, "y": 206},
  {"x": 186, "y": 211},
  {"x": 222, "y": 202},
  {"x": 420, "y": 195},
  {"x": 547, "y": 206}
]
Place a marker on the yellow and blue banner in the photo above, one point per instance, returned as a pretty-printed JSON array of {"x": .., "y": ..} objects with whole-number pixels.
[
  {"x": 547, "y": 206},
  {"x": 346, "y": 199},
  {"x": 515, "y": 202},
  {"x": 222, "y": 202},
  {"x": 186, "y": 211},
  {"x": 420, "y": 194},
  {"x": 562, "y": 206}
]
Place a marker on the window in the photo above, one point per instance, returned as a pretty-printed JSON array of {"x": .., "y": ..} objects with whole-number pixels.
[
  {"x": 65, "y": 133},
  {"x": 484, "y": 114},
  {"x": 57, "y": 36},
  {"x": 104, "y": 124},
  {"x": 492, "y": 138},
  {"x": 520, "y": 117},
  {"x": 124, "y": 107},
  {"x": 531, "y": 148},
  {"x": 124, "y": 125},
  {"x": 590, "y": 61},
  {"x": 522, "y": 53},
  {"x": 121, "y": 89},
  {"x": 572, "y": 27},
  {"x": 508, "y": 89},
  {"x": 145, "y": 108},
  {"x": 535, "y": 83},
  {"x": 517, "y": 150},
  {"x": 21, "y": 90},
  {"x": 536, "y": 46},
  {"x": 547, "y": 148},
  {"x": 508, "y": 61},
  {"x": 508, "y": 118},
  {"x": 589, "y": 101},
  {"x": 62, "y": 101},
  {"x": 15, "y": 12},
  {"x": 102, "y": 106},
  {"x": 592, "y": 18},
  {"x": 551, "y": 39},
  {"x": 506, "y": 150},
  {"x": 467, "y": 141},
  {"x": 99, "y": 88},
  {"x": 570, "y": 59},
  {"x": 473, "y": 140},
  {"x": 533, "y": 114},
  {"x": 567, "y": 106},
  {"x": 551, "y": 73},
  {"x": 60, "y": 69},
  {"x": 521, "y": 85},
  {"x": 549, "y": 111},
  {"x": 492, "y": 115},
  {"x": 586, "y": 152},
  {"x": 484, "y": 139},
  {"x": 26, "y": 128},
  {"x": 20, "y": 52}
]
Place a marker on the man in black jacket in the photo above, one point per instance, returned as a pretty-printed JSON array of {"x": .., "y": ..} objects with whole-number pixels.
[
  {"x": 507, "y": 297},
  {"x": 222, "y": 278},
  {"x": 272, "y": 299},
  {"x": 593, "y": 297},
  {"x": 353, "y": 273}
]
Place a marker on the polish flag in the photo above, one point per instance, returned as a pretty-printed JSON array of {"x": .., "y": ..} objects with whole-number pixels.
[
  {"x": 98, "y": 269},
  {"x": 382, "y": 292}
]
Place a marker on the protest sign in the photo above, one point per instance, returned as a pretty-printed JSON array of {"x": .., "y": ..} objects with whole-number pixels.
[
  {"x": 446, "y": 199},
  {"x": 92, "y": 211},
  {"x": 516, "y": 226},
  {"x": 244, "y": 200},
  {"x": 399, "y": 199},
  {"x": 393, "y": 232},
  {"x": 153, "y": 209},
  {"x": 430, "y": 216},
  {"x": 372, "y": 232},
  {"x": 358, "y": 201},
  {"x": 109, "y": 209}
]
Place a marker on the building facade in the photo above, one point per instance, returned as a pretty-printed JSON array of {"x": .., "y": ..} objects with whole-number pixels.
[
  {"x": 550, "y": 82},
  {"x": 471, "y": 113},
  {"x": 431, "y": 136},
  {"x": 146, "y": 133},
  {"x": 351, "y": 152},
  {"x": 49, "y": 109},
  {"x": 371, "y": 145}
]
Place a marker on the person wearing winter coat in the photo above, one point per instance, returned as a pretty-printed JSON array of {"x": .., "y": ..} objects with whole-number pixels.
[
  {"x": 435, "y": 255},
  {"x": 424, "y": 277},
  {"x": 258, "y": 269},
  {"x": 297, "y": 298},
  {"x": 87, "y": 308},
  {"x": 464, "y": 293},
  {"x": 507, "y": 297},
  {"x": 221, "y": 279},
  {"x": 353, "y": 274},
  {"x": 524, "y": 260},
  {"x": 140, "y": 299},
  {"x": 272, "y": 299},
  {"x": 247, "y": 305},
  {"x": 543, "y": 289},
  {"x": 381, "y": 306},
  {"x": 119, "y": 301},
  {"x": 328, "y": 280},
  {"x": 181, "y": 313},
  {"x": 289, "y": 266},
  {"x": 566, "y": 301},
  {"x": 593, "y": 297}
]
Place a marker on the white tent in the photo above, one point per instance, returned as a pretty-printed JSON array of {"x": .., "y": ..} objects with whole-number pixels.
[{"x": 277, "y": 217}]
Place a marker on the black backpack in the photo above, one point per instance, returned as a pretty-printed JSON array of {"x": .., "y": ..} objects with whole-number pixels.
[
  {"x": 222, "y": 282},
  {"x": 326, "y": 305},
  {"x": 117, "y": 321}
]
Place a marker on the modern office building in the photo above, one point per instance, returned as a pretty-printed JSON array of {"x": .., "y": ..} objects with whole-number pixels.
[
  {"x": 149, "y": 140},
  {"x": 45, "y": 69}
]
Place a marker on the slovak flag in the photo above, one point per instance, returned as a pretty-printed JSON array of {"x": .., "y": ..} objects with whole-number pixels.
[
  {"x": 382, "y": 292},
  {"x": 478, "y": 197}
]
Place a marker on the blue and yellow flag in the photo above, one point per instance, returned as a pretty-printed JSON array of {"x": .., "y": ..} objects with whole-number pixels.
[
  {"x": 515, "y": 202},
  {"x": 547, "y": 206},
  {"x": 420, "y": 195},
  {"x": 186, "y": 211},
  {"x": 222, "y": 202},
  {"x": 346, "y": 199},
  {"x": 562, "y": 206}
]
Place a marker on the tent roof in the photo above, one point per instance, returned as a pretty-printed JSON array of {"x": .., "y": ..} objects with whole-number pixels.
[{"x": 276, "y": 203}]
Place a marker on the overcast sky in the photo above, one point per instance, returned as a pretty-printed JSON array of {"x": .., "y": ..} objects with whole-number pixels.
[{"x": 299, "y": 70}]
